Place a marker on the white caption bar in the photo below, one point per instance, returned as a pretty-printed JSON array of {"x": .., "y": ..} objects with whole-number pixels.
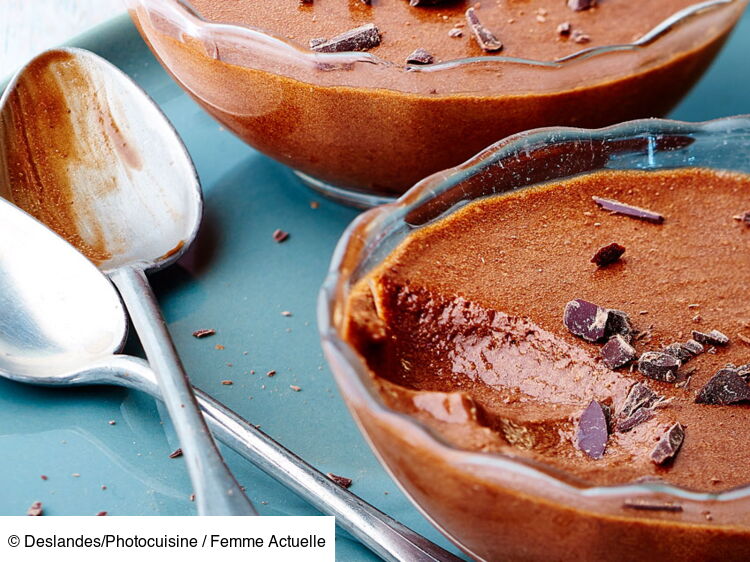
[{"x": 186, "y": 539}]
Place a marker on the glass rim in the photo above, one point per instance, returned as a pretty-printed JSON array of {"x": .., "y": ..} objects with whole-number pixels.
[
  {"x": 194, "y": 20},
  {"x": 370, "y": 225}
]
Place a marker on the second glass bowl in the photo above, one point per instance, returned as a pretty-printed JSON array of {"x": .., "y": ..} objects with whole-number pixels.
[{"x": 363, "y": 130}]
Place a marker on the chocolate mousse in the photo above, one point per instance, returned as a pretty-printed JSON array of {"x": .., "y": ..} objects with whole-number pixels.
[
  {"x": 378, "y": 125},
  {"x": 494, "y": 328}
]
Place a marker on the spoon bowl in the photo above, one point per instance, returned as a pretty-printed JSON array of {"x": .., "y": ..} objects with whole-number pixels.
[
  {"x": 50, "y": 328},
  {"x": 86, "y": 152}
]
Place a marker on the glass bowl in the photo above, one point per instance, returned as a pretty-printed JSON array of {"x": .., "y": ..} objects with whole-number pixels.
[
  {"x": 363, "y": 130},
  {"x": 493, "y": 506}
]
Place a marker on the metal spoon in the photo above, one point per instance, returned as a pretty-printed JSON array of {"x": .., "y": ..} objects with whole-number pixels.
[
  {"x": 85, "y": 151},
  {"x": 61, "y": 323}
]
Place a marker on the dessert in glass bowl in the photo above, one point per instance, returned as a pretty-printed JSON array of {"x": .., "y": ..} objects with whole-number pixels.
[
  {"x": 363, "y": 99},
  {"x": 547, "y": 346}
]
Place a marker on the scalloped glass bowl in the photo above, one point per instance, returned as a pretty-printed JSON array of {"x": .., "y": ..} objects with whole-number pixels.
[
  {"x": 363, "y": 130},
  {"x": 493, "y": 506}
]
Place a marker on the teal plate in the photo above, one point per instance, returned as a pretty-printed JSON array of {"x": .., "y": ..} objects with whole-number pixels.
[{"x": 237, "y": 281}]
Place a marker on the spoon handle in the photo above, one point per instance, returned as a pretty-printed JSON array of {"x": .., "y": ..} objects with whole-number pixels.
[{"x": 216, "y": 490}]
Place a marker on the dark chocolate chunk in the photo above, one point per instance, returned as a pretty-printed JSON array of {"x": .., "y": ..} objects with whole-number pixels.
[
  {"x": 420, "y": 56},
  {"x": 358, "y": 39},
  {"x": 485, "y": 38},
  {"x": 659, "y": 366},
  {"x": 564, "y": 29},
  {"x": 669, "y": 444},
  {"x": 694, "y": 347},
  {"x": 639, "y": 396},
  {"x": 203, "y": 333},
  {"x": 607, "y": 255},
  {"x": 649, "y": 506},
  {"x": 618, "y": 322},
  {"x": 745, "y": 217},
  {"x": 593, "y": 430},
  {"x": 714, "y": 337},
  {"x": 628, "y": 210},
  {"x": 342, "y": 481},
  {"x": 579, "y": 5},
  {"x": 580, "y": 37},
  {"x": 636, "y": 418},
  {"x": 725, "y": 387},
  {"x": 684, "y": 351},
  {"x": 368, "y": 2},
  {"x": 35, "y": 509},
  {"x": 677, "y": 350},
  {"x": 586, "y": 320},
  {"x": 617, "y": 352}
]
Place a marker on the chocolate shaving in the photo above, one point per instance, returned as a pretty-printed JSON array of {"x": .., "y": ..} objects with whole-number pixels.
[
  {"x": 617, "y": 352},
  {"x": 669, "y": 444},
  {"x": 593, "y": 430},
  {"x": 485, "y": 38},
  {"x": 420, "y": 56},
  {"x": 361, "y": 38},
  {"x": 279, "y": 235},
  {"x": 342, "y": 481},
  {"x": 744, "y": 370},
  {"x": 101, "y": 514},
  {"x": 659, "y": 366},
  {"x": 607, "y": 255},
  {"x": 638, "y": 407},
  {"x": 639, "y": 396},
  {"x": 714, "y": 337},
  {"x": 636, "y": 418},
  {"x": 580, "y": 37},
  {"x": 645, "y": 506},
  {"x": 586, "y": 320},
  {"x": 628, "y": 210},
  {"x": 176, "y": 453},
  {"x": 579, "y": 5},
  {"x": 35, "y": 509},
  {"x": 203, "y": 333},
  {"x": 564, "y": 29},
  {"x": 725, "y": 387}
]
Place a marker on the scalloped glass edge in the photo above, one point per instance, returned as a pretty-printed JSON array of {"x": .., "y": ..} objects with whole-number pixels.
[
  {"x": 193, "y": 20},
  {"x": 381, "y": 221}
]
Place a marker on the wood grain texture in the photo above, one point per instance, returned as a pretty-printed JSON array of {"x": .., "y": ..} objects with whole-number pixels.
[{"x": 30, "y": 26}]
